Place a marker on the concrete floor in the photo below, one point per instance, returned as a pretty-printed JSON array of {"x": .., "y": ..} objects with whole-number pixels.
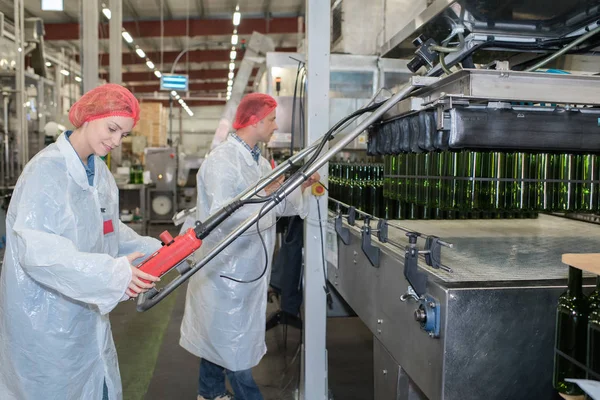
[{"x": 154, "y": 366}]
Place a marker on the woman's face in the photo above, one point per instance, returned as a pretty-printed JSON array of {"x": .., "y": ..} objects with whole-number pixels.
[{"x": 105, "y": 134}]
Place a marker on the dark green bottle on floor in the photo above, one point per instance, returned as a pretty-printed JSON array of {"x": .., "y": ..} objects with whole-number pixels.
[
  {"x": 593, "y": 351},
  {"x": 571, "y": 332}
]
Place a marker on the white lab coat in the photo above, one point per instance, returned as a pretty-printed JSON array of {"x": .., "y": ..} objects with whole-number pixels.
[
  {"x": 224, "y": 321},
  {"x": 62, "y": 275}
]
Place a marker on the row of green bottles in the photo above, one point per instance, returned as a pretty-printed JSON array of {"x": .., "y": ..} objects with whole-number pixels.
[
  {"x": 358, "y": 184},
  {"x": 577, "y": 334},
  {"x": 471, "y": 181}
]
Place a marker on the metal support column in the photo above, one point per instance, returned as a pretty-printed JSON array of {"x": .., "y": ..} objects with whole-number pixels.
[
  {"x": 21, "y": 97},
  {"x": 314, "y": 384},
  {"x": 116, "y": 42},
  {"x": 88, "y": 29},
  {"x": 116, "y": 62}
]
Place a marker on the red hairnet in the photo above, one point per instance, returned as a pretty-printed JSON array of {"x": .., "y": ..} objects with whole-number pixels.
[
  {"x": 253, "y": 108},
  {"x": 105, "y": 101}
]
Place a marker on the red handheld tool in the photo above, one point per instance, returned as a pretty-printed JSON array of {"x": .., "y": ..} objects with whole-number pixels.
[{"x": 174, "y": 251}]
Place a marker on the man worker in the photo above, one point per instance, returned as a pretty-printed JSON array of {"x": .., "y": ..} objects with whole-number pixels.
[{"x": 224, "y": 319}]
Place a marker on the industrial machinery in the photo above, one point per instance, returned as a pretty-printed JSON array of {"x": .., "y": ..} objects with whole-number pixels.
[
  {"x": 161, "y": 162},
  {"x": 460, "y": 295}
]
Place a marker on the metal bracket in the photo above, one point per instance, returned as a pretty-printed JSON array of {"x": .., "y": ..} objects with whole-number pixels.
[
  {"x": 342, "y": 232},
  {"x": 433, "y": 254},
  {"x": 351, "y": 216},
  {"x": 428, "y": 315},
  {"x": 382, "y": 230},
  {"x": 372, "y": 252},
  {"x": 416, "y": 279}
]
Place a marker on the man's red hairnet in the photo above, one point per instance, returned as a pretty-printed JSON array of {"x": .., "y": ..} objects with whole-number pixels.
[
  {"x": 252, "y": 109},
  {"x": 105, "y": 101}
]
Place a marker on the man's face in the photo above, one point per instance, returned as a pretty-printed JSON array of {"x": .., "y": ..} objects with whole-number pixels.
[{"x": 266, "y": 127}]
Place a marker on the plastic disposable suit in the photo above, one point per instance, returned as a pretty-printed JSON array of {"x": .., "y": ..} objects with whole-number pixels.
[
  {"x": 65, "y": 268},
  {"x": 224, "y": 321}
]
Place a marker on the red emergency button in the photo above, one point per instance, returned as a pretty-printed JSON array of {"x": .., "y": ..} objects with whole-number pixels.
[
  {"x": 166, "y": 238},
  {"x": 317, "y": 189}
]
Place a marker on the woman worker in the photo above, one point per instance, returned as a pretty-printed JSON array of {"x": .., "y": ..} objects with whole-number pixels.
[{"x": 68, "y": 260}]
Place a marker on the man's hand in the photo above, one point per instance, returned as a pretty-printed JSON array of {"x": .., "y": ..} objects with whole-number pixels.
[
  {"x": 137, "y": 286},
  {"x": 273, "y": 186},
  {"x": 313, "y": 178}
]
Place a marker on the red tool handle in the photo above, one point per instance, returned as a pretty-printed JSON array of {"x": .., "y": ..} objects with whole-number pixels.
[{"x": 172, "y": 253}]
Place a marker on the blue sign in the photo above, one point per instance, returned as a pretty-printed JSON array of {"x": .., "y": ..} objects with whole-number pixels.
[{"x": 174, "y": 82}]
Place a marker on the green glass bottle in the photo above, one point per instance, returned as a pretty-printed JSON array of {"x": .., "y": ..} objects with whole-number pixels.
[
  {"x": 377, "y": 195},
  {"x": 563, "y": 189},
  {"x": 434, "y": 194},
  {"x": 587, "y": 191},
  {"x": 593, "y": 352},
  {"x": 369, "y": 189},
  {"x": 542, "y": 192},
  {"x": 594, "y": 341},
  {"x": 358, "y": 188},
  {"x": 387, "y": 180},
  {"x": 571, "y": 327},
  {"x": 352, "y": 179}
]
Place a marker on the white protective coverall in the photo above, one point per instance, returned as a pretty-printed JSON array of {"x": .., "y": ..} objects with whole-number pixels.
[
  {"x": 63, "y": 272},
  {"x": 224, "y": 321}
]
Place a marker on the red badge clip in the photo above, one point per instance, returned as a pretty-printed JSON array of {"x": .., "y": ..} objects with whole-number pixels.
[{"x": 108, "y": 227}]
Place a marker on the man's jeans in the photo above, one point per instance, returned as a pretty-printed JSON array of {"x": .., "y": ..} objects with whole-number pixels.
[{"x": 211, "y": 382}]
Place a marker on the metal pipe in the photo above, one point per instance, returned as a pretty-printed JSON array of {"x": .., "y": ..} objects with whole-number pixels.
[
  {"x": 147, "y": 302},
  {"x": 4, "y": 162},
  {"x": 562, "y": 51},
  {"x": 374, "y": 218}
]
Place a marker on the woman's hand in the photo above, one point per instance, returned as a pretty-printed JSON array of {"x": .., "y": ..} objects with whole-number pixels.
[{"x": 137, "y": 286}]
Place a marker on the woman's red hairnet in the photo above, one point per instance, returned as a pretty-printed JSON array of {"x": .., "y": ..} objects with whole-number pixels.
[
  {"x": 105, "y": 101},
  {"x": 252, "y": 109}
]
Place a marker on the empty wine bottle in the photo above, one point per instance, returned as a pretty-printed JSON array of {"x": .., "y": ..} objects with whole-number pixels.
[
  {"x": 593, "y": 352},
  {"x": 571, "y": 330}
]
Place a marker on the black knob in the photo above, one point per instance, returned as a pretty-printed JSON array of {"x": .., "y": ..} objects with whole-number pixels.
[
  {"x": 418, "y": 41},
  {"x": 420, "y": 315}
]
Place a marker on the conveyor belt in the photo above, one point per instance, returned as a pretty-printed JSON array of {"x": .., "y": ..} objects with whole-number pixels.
[{"x": 504, "y": 250}]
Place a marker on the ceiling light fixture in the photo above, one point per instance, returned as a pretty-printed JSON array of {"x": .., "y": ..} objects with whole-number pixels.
[
  {"x": 127, "y": 37},
  {"x": 140, "y": 53}
]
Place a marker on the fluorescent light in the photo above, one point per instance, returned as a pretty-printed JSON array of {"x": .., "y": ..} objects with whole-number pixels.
[
  {"x": 19, "y": 49},
  {"x": 150, "y": 64},
  {"x": 140, "y": 52},
  {"x": 234, "y": 39},
  {"x": 158, "y": 74},
  {"x": 190, "y": 113},
  {"x": 230, "y": 82},
  {"x": 64, "y": 72},
  {"x": 236, "y": 18},
  {"x": 173, "y": 93},
  {"x": 180, "y": 101},
  {"x": 230, "y": 75},
  {"x": 52, "y": 5},
  {"x": 232, "y": 54},
  {"x": 231, "y": 66},
  {"x": 177, "y": 97},
  {"x": 106, "y": 13},
  {"x": 78, "y": 79},
  {"x": 127, "y": 37},
  {"x": 48, "y": 64},
  {"x": 229, "y": 90}
]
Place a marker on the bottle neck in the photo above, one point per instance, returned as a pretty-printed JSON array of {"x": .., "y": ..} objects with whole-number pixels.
[{"x": 575, "y": 281}]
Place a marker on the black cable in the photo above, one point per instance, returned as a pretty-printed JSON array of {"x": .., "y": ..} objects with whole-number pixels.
[
  {"x": 262, "y": 240},
  {"x": 300, "y": 63},
  {"x": 325, "y": 288}
]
